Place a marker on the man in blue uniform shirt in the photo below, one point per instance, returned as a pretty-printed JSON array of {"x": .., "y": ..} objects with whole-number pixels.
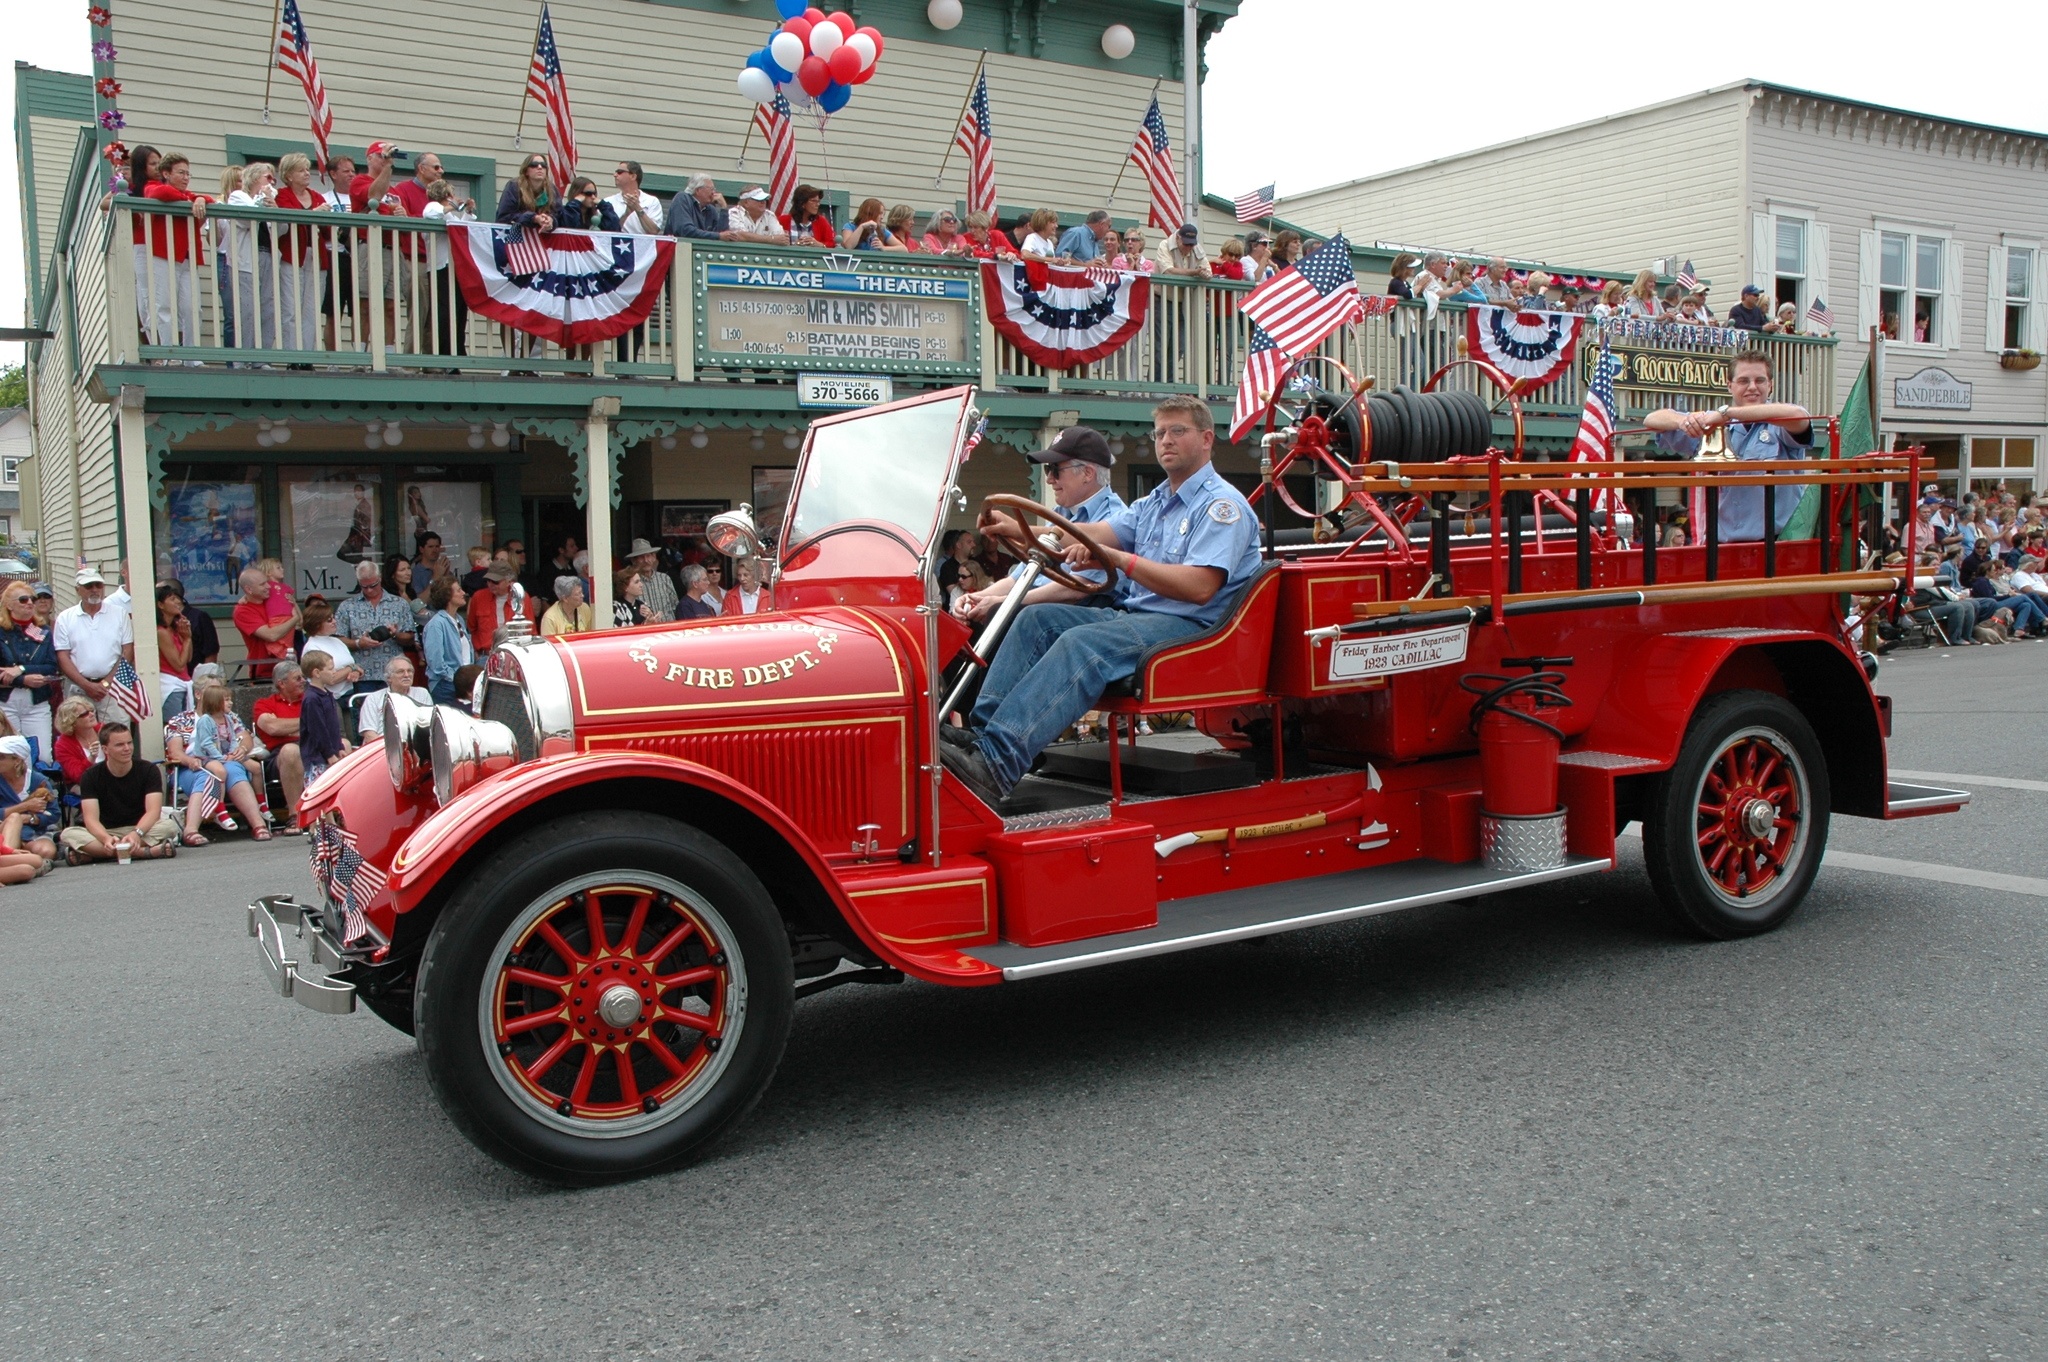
[
  {"x": 1184, "y": 551},
  {"x": 1758, "y": 429},
  {"x": 1077, "y": 468}
]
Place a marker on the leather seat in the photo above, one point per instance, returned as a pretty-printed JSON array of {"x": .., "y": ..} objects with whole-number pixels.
[{"x": 1225, "y": 664}]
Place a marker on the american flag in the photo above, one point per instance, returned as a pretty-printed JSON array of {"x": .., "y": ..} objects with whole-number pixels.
[
  {"x": 1154, "y": 155},
  {"x": 295, "y": 59},
  {"x": 356, "y": 882},
  {"x": 206, "y": 798},
  {"x": 1818, "y": 317},
  {"x": 1597, "y": 423},
  {"x": 1687, "y": 280},
  {"x": 1300, "y": 306},
  {"x": 524, "y": 253},
  {"x": 974, "y": 440},
  {"x": 773, "y": 120},
  {"x": 977, "y": 139},
  {"x": 1263, "y": 364},
  {"x": 126, "y": 688},
  {"x": 1255, "y": 205},
  {"x": 545, "y": 85},
  {"x": 1378, "y": 305}
]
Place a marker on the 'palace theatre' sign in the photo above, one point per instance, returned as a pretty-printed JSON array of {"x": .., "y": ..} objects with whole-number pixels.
[{"x": 836, "y": 312}]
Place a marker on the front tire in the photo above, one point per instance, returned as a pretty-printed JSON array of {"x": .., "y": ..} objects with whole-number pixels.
[
  {"x": 1734, "y": 831},
  {"x": 606, "y": 1003}
]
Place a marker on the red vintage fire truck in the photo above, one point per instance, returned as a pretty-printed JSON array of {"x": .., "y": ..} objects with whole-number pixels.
[{"x": 596, "y": 901}]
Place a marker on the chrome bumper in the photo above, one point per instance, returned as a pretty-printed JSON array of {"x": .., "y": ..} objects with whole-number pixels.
[{"x": 269, "y": 917}]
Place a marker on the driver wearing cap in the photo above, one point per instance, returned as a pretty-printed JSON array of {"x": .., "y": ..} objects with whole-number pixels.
[
  {"x": 1077, "y": 468},
  {"x": 1184, "y": 551}
]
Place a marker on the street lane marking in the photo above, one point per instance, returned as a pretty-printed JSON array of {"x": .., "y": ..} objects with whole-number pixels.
[
  {"x": 1952, "y": 778},
  {"x": 1919, "y": 870}
]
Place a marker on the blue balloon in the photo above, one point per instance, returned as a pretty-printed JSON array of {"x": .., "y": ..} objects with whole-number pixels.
[
  {"x": 835, "y": 97},
  {"x": 790, "y": 9},
  {"x": 766, "y": 62}
]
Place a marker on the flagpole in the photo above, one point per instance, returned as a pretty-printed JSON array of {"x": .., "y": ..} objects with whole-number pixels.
[
  {"x": 532, "y": 48},
  {"x": 276, "y": 17},
  {"x": 1127, "y": 155},
  {"x": 745, "y": 141},
  {"x": 965, "y": 100}
]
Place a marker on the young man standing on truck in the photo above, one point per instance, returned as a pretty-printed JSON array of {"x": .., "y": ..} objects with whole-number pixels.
[
  {"x": 1758, "y": 428},
  {"x": 1184, "y": 551}
]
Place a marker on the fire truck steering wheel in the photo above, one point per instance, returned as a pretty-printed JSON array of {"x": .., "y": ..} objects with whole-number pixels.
[{"x": 1019, "y": 537}]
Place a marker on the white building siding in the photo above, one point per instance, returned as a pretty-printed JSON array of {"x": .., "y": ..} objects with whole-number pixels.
[
  {"x": 52, "y": 141},
  {"x": 649, "y": 82},
  {"x": 1856, "y": 172},
  {"x": 1617, "y": 193}
]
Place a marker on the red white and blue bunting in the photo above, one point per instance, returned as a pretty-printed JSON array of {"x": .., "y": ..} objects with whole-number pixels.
[
  {"x": 570, "y": 287},
  {"x": 1063, "y": 318},
  {"x": 1530, "y": 347}
]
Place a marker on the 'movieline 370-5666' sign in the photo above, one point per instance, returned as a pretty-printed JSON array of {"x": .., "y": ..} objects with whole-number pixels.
[{"x": 837, "y": 311}]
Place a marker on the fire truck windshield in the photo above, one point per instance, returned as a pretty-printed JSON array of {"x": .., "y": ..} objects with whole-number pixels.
[{"x": 888, "y": 465}]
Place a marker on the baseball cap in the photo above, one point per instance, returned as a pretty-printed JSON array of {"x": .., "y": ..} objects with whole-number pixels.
[
  {"x": 43, "y": 589},
  {"x": 1749, "y": 289},
  {"x": 1188, "y": 231},
  {"x": 757, "y": 194},
  {"x": 501, "y": 572},
  {"x": 384, "y": 149},
  {"x": 1082, "y": 443},
  {"x": 15, "y": 746},
  {"x": 87, "y": 576}
]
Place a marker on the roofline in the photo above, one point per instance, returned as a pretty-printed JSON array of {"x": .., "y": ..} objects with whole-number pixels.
[{"x": 1757, "y": 85}]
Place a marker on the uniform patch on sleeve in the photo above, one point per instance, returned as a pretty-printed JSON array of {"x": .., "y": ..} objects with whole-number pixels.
[{"x": 1223, "y": 512}]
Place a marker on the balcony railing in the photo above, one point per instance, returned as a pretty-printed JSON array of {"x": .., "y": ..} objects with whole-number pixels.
[{"x": 375, "y": 293}]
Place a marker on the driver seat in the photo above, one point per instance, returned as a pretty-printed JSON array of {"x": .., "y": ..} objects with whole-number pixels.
[{"x": 1225, "y": 664}]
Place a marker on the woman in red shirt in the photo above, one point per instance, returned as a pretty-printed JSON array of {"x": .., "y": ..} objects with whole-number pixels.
[
  {"x": 172, "y": 240},
  {"x": 301, "y": 256},
  {"x": 985, "y": 240},
  {"x": 805, "y": 221}
]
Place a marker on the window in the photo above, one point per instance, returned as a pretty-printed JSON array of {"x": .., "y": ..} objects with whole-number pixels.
[
  {"x": 1995, "y": 462},
  {"x": 2019, "y": 297},
  {"x": 1891, "y": 294},
  {"x": 1914, "y": 286},
  {"x": 1791, "y": 263},
  {"x": 10, "y": 472}
]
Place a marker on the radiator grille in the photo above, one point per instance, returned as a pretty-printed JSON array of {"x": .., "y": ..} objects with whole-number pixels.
[
  {"x": 504, "y": 703},
  {"x": 828, "y": 778}
]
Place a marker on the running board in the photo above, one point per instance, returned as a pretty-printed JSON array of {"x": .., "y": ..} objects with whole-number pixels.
[
  {"x": 1212, "y": 919},
  {"x": 1903, "y": 800}
]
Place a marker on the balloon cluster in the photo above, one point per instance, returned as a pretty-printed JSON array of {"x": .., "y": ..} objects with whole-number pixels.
[{"x": 812, "y": 56}]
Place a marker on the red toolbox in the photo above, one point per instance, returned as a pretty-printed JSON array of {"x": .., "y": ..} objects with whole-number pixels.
[{"x": 1063, "y": 884}]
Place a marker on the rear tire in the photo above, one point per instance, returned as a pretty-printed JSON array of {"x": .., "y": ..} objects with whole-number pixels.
[
  {"x": 606, "y": 1003},
  {"x": 1733, "y": 833}
]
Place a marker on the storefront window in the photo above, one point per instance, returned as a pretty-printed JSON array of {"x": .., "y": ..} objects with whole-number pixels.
[
  {"x": 453, "y": 510},
  {"x": 331, "y": 523},
  {"x": 210, "y": 528}
]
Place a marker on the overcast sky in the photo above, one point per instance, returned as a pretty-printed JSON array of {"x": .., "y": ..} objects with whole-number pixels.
[{"x": 1305, "y": 93}]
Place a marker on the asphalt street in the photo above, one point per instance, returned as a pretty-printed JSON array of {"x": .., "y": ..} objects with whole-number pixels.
[{"x": 1538, "y": 1125}]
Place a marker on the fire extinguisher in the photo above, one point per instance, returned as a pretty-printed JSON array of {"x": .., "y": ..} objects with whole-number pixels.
[{"x": 1517, "y": 747}]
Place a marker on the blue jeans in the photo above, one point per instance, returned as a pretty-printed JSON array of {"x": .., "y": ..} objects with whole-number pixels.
[
  {"x": 1051, "y": 670},
  {"x": 443, "y": 690},
  {"x": 2027, "y": 613}
]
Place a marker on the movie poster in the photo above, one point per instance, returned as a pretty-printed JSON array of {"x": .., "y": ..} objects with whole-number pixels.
[
  {"x": 453, "y": 510},
  {"x": 210, "y": 531},
  {"x": 332, "y": 522}
]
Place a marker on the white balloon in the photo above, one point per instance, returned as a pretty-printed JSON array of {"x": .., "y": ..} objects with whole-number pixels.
[
  {"x": 796, "y": 95},
  {"x": 787, "y": 49},
  {"x": 757, "y": 85},
  {"x": 825, "y": 40},
  {"x": 863, "y": 44},
  {"x": 1117, "y": 42},
  {"x": 943, "y": 14}
]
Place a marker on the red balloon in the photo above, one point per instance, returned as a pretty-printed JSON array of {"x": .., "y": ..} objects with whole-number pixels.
[
  {"x": 814, "y": 76},
  {"x": 800, "y": 28},
  {"x": 844, "y": 20},
  {"x": 844, "y": 64},
  {"x": 862, "y": 76},
  {"x": 815, "y": 15},
  {"x": 876, "y": 35}
]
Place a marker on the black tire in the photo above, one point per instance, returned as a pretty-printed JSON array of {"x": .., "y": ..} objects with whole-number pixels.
[
  {"x": 485, "y": 1030},
  {"x": 1763, "y": 836}
]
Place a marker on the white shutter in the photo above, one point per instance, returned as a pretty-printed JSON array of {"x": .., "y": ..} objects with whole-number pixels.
[
  {"x": 1817, "y": 265},
  {"x": 1763, "y": 258},
  {"x": 2037, "y": 311},
  {"x": 1869, "y": 261},
  {"x": 1994, "y": 302},
  {"x": 1951, "y": 293}
]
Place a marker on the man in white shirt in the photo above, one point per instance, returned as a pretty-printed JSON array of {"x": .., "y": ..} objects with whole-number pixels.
[
  {"x": 90, "y": 638},
  {"x": 397, "y": 677},
  {"x": 639, "y": 213},
  {"x": 752, "y": 220},
  {"x": 118, "y": 598}
]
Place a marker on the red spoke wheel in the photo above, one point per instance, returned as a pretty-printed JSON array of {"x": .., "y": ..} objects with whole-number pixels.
[
  {"x": 604, "y": 999},
  {"x": 1733, "y": 833}
]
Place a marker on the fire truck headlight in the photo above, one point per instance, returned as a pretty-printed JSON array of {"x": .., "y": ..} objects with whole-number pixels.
[
  {"x": 466, "y": 750},
  {"x": 405, "y": 739}
]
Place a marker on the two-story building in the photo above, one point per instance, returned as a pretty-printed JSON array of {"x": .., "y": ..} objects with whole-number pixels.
[{"x": 1926, "y": 231}]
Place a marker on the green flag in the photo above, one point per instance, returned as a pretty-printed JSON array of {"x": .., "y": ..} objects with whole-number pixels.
[{"x": 1857, "y": 439}]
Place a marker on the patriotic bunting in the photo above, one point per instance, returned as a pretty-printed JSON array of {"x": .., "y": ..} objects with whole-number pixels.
[
  {"x": 1076, "y": 317},
  {"x": 1530, "y": 347},
  {"x": 571, "y": 287}
]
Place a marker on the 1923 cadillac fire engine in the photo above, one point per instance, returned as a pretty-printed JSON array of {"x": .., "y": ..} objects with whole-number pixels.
[{"x": 596, "y": 904}]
